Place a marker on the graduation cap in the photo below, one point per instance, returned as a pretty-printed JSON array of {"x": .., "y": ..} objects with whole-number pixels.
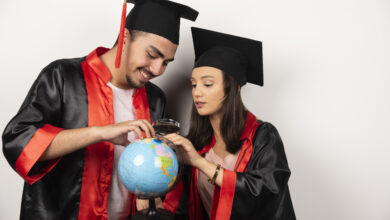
[
  {"x": 239, "y": 57},
  {"x": 160, "y": 17}
]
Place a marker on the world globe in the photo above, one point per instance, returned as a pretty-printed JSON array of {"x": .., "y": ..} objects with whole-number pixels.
[{"x": 148, "y": 168}]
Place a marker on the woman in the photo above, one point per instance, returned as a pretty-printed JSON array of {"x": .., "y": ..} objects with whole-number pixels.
[{"x": 240, "y": 169}]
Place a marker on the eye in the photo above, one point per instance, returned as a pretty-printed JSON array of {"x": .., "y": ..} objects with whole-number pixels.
[
  {"x": 193, "y": 85},
  {"x": 151, "y": 56},
  {"x": 208, "y": 84},
  {"x": 165, "y": 63}
]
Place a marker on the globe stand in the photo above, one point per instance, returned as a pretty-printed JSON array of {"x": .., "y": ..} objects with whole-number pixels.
[{"x": 152, "y": 213}]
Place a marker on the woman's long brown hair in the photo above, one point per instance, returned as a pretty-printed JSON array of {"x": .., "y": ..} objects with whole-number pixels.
[{"x": 232, "y": 122}]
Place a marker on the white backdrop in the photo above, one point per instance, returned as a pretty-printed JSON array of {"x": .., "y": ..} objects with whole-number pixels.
[{"x": 327, "y": 71}]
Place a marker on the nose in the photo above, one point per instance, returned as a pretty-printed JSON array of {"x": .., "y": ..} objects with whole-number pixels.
[
  {"x": 196, "y": 91},
  {"x": 157, "y": 68}
]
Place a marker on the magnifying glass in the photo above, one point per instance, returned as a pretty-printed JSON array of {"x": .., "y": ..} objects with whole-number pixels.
[{"x": 166, "y": 126}]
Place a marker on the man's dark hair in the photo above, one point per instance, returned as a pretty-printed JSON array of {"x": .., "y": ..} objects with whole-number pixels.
[
  {"x": 232, "y": 122},
  {"x": 133, "y": 35}
]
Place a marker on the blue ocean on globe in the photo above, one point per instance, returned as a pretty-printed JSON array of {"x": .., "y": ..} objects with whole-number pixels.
[{"x": 148, "y": 168}]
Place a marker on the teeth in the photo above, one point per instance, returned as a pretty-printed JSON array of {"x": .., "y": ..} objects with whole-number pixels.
[{"x": 146, "y": 76}]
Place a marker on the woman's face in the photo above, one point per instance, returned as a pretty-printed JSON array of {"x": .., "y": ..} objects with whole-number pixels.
[{"x": 207, "y": 90}]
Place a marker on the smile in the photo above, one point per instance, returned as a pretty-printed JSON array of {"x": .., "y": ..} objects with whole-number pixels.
[{"x": 144, "y": 75}]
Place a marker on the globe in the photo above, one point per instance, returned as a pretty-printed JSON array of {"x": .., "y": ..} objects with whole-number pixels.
[{"x": 148, "y": 168}]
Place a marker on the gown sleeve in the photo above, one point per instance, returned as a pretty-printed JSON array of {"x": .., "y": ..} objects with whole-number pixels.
[
  {"x": 262, "y": 191},
  {"x": 31, "y": 130}
]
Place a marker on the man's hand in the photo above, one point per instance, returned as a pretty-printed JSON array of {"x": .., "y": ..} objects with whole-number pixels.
[
  {"x": 117, "y": 133},
  {"x": 70, "y": 140}
]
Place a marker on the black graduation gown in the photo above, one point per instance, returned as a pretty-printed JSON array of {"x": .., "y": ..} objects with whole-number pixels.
[
  {"x": 256, "y": 189},
  {"x": 69, "y": 93}
]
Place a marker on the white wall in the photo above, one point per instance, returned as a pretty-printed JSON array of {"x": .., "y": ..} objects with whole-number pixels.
[{"x": 326, "y": 87}]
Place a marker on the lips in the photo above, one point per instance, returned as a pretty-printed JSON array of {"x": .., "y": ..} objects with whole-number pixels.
[
  {"x": 199, "y": 104},
  {"x": 144, "y": 75}
]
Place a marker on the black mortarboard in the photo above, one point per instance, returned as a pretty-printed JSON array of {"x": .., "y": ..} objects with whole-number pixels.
[
  {"x": 239, "y": 57},
  {"x": 160, "y": 17}
]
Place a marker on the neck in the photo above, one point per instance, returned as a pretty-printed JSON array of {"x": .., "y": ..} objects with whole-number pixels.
[
  {"x": 117, "y": 78},
  {"x": 215, "y": 121}
]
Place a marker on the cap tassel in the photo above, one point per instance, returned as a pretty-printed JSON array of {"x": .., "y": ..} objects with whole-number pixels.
[{"x": 121, "y": 36}]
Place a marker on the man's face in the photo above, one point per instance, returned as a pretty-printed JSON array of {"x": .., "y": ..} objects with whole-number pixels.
[{"x": 146, "y": 57}]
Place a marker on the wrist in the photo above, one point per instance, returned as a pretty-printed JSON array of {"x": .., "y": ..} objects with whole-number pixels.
[
  {"x": 198, "y": 162},
  {"x": 215, "y": 175},
  {"x": 97, "y": 133}
]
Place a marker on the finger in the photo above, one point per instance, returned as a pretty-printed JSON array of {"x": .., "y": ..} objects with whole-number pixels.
[
  {"x": 171, "y": 135},
  {"x": 174, "y": 137},
  {"x": 170, "y": 139},
  {"x": 136, "y": 130},
  {"x": 185, "y": 146},
  {"x": 159, "y": 204},
  {"x": 141, "y": 207},
  {"x": 145, "y": 128},
  {"x": 177, "y": 142},
  {"x": 159, "y": 137},
  {"x": 142, "y": 204},
  {"x": 141, "y": 126},
  {"x": 151, "y": 129},
  {"x": 177, "y": 138}
]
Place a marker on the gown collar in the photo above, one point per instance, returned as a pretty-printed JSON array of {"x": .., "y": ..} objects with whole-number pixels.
[{"x": 94, "y": 61}]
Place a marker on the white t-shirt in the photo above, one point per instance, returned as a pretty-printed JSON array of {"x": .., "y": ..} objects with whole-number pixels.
[{"x": 119, "y": 204}]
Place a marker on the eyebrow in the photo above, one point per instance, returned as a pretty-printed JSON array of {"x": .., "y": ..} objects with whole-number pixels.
[
  {"x": 160, "y": 54},
  {"x": 203, "y": 77},
  {"x": 207, "y": 76}
]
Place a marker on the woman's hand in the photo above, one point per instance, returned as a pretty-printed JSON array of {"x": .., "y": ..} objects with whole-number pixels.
[
  {"x": 192, "y": 157},
  {"x": 188, "y": 151}
]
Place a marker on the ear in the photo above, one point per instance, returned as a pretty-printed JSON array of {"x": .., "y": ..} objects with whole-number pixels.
[{"x": 126, "y": 36}]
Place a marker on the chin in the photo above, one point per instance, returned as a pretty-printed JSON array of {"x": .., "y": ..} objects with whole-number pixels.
[
  {"x": 133, "y": 84},
  {"x": 202, "y": 112}
]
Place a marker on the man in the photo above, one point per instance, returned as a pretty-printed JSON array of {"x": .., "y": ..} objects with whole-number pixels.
[{"x": 66, "y": 139}]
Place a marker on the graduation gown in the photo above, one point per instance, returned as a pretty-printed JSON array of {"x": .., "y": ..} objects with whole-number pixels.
[
  {"x": 256, "y": 189},
  {"x": 69, "y": 93}
]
